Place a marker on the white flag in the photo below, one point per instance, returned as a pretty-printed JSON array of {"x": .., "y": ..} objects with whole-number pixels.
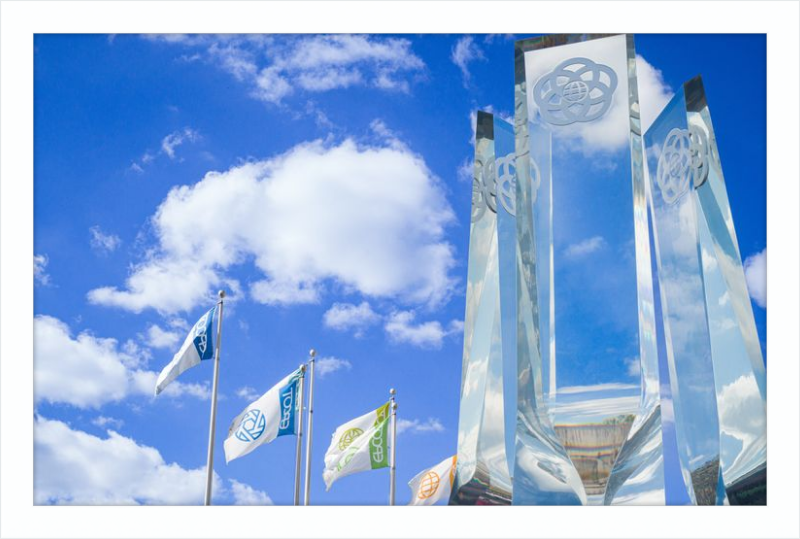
[
  {"x": 433, "y": 484},
  {"x": 274, "y": 414},
  {"x": 198, "y": 346},
  {"x": 359, "y": 445}
]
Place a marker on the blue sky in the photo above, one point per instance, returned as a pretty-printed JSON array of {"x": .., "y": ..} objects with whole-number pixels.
[{"x": 320, "y": 181}]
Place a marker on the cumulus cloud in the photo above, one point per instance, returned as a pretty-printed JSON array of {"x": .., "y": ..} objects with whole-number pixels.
[
  {"x": 246, "y": 495},
  {"x": 274, "y": 68},
  {"x": 162, "y": 338},
  {"x": 585, "y": 247},
  {"x": 40, "y": 275},
  {"x": 755, "y": 273},
  {"x": 88, "y": 371},
  {"x": 400, "y": 328},
  {"x": 415, "y": 426},
  {"x": 384, "y": 236},
  {"x": 654, "y": 93},
  {"x": 103, "y": 422},
  {"x": 103, "y": 243},
  {"x": 327, "y": 365},
  {"x": 464, "y": 52},
  {"x": 247, "y": 393},
  {"x": 74, "y": 467},
  {"x": 347, "y": 316}
]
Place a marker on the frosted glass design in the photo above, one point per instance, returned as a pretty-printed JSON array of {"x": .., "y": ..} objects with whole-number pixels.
[
  {"x": 584, "y": 276},
  {"x": 717, "y": 371},
  {"x": 488, "y": 383}
]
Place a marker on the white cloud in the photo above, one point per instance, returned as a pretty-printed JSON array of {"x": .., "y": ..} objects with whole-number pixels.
[
  {"x": 346, "y": 316},
  {"x": 103, "y": 422},
  {"x": 103, "y": 243},
  {"x": 466, "y": 170},
  {"x": 74, "y": 467},
  {"x": 401, "y": 329},
  {"x": 755, "y": 273},
  {"x": 384, "y": 236},
  {"x": 161, "y": 338},
  {"x": 327, "y": 365},
  {"x": 40, "y": 275},
  {"x": 416, "y": 426},
  {"x": 276, "y": 67},
  {"x": 247, "y": 393},
  {"x": 585, "y": 247},
  {"x": 464, "y": 52},
  {"x": 654, "y": 93},
  {"x": 247, "y": 495},
  {"x": 88, "y": 371},
  {"x": 634, "y": 366},
  {"x": 176, "y": 138}
]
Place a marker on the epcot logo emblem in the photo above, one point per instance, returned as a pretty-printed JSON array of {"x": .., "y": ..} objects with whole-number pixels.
[
  {"x": 577, "y": 90},
  {"x": 683, "y": 162},
  {"x": 487, "y": 193},
  {"x": 252, "y": 426}
]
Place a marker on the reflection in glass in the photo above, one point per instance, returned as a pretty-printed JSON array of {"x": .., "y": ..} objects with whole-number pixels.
[
  {"x": 716, "y": 365},
  {"x": 485, "y": 429}
]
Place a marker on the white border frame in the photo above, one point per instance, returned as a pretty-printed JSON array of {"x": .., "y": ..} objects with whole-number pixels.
[{"x": 20, "y": 20}]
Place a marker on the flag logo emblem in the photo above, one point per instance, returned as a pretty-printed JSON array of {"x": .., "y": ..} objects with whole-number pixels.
[
  {"x": 252, "y": 426},
  {"x": 348, "y": 437},
  {"x": 428, "y": 486}
]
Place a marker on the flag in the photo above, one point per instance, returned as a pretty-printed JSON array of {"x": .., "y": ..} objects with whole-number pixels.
[
  {"x": 359, "y": 445},
  {"x": 198, "y": 346},
  {"x": 433, "y": 484},
  {"x": 274, "y": 414}
]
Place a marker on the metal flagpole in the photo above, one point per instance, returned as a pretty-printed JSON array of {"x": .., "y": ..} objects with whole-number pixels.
[
  {"x": 299, "y": 453},
  {"x": 311, "y": 360},
  {"x": 212, "y": 422},
  {"x": 393, "y": 406}
]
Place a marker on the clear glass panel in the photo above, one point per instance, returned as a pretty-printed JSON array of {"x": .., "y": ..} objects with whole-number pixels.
[
  {"x": 585, "y": 271},
  {"x": 484, "y": 439},
  {"x": 739, "y": 372},
  {"x": 673, "y": 168}
]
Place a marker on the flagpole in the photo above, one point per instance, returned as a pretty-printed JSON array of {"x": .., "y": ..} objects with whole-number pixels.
[
  {"x": 213, "y": 420},
  {"x": 311, "y": 360},
  {"x": 392, "y": 392},
  {"x": 299, "y": 452}
]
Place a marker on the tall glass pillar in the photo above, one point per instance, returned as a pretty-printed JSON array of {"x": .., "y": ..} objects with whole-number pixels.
[
  {"x": 488, "y": 384},
  {"x": 717, "y": 371},
  {"x": 584, "y": 277}
]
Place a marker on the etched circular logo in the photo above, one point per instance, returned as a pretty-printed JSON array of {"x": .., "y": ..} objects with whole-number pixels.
[
  {"x": 506, "y": 189},
  {"x": 483, "y": 191},
  {"x": 252, "y": 426},
  {"x": 428, "y": 486},
  {"x": 348, "y": 437},
  {"x": 683, "y": 162},
  {"x": 577, "y": 90}
]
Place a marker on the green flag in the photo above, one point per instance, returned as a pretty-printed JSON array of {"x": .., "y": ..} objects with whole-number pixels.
[{"x": 359, "y": 445}]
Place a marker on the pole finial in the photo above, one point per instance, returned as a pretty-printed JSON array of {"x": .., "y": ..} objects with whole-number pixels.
[
  {"x": 392, "y": 392},
  {"x": 221, "y": 294},
  {"x": 312, "y": 353}
]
